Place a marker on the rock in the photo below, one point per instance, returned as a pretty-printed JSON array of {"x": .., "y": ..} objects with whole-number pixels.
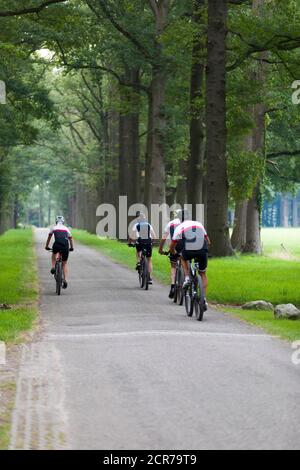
[
  {"x": 259, "y": 305},
  {"x": 288, "y": 311},
  {"x": 5, "y": 307}
]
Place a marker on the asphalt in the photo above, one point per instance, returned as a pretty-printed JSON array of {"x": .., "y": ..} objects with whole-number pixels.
[{"x": 115, "y": 367}]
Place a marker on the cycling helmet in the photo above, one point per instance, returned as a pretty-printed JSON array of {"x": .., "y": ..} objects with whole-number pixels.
[
  {"x": 60, "y": 219},
  {"x": 140, "y": 215},
  {"x": 183, "y": 215}
]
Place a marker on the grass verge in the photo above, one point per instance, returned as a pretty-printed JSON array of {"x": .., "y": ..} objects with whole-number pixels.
[
  {"x": 18, "y": 289},
  {"x": 18, "y": 283},
  {"x": 286, "y": 329},
  {"x": 232, "y": 281}
]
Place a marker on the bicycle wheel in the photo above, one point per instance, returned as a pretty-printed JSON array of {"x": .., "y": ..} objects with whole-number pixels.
[
  {"x": 180, "y": 289},
  {"x": 176, "y": 287},
  {"x": 140, "y": 271},
  {"x": 146, "y": 274},
  {"x": 58, "y": 277},
  {"x": 199, "y": 299},
  {"x": 189, "y": 301}
]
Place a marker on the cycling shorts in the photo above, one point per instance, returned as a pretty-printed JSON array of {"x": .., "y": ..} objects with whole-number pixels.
[
  {"x": 144, "y": 246},
  {"x": 62, "y": 249},
  {"x": 200, "y": 256}
]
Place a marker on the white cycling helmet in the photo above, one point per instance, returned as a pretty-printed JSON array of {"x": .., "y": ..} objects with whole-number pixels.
[{"x": 60, "y": 219}]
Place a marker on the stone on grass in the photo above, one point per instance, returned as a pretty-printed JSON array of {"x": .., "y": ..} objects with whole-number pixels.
[
  {"x": 5, "y": 307},
  {"x": 259, "y": 305},
  {"x": 288, "y": 311}
]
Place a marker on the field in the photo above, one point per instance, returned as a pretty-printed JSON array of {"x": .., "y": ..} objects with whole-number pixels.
[{"x": 283, "y": 243}]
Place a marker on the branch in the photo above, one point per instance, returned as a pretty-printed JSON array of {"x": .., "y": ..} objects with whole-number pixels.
[
  {"x": 27, "y": 11},
  {"x": 285, "y": 153},
  {"x": 122, "y": 82},
  {"x": 120, "y": 28},
  {"x": 154, "y": 8}
]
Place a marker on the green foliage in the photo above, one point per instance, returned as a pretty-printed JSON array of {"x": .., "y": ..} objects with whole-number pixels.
[{"x": 245, "y": 169}]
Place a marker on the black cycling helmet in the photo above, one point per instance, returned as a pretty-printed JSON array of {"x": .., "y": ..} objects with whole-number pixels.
[{"x": 140, "y": 215}]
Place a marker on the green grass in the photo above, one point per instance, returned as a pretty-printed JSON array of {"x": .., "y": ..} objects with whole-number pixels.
[
  {"x": 231, "y": 280},
  {"x": 18, "y": 288},
  {"x": 274, "y": 238},
  {"x": 287, "y": 329},
  {"x": 18, "y": 283}
]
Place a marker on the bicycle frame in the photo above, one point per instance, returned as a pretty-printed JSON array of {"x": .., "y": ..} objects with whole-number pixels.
[{"x": 194, "y": 294}]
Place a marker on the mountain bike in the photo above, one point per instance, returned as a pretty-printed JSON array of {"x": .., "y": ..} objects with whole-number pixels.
[
  {"x": 59, "y": 273},
  {"x": 194, "y": 297},
  {"x": 179, "y": 279},
  {"x": 143, "y": 269}
]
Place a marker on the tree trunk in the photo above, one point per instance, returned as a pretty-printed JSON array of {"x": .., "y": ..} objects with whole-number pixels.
[
  {"x": 148, "y": 155},
  {"x": 238, "y": 238},
  {"x": 157, "y": 190},
  {"x": 253, "y": 234},
  {"x": 295, "y": 212},
  {"x": 217, "y": 182},
  {"x": 129, "y": 158},
  {"x": 284, "y": 212},
  {"x": 157, "y": 181},
  {"x": 197, "y": 133}
]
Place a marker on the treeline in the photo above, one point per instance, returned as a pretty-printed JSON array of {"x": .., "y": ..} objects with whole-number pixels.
[{"x": 162, "y": 101}]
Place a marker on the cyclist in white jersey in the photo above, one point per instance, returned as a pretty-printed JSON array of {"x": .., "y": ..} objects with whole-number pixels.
[
  {"x": 195, "y": 242},
  {"x": 166, "y": 239}
]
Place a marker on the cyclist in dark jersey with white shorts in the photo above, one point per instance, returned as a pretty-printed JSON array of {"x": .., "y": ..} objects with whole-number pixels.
[{"x": 63, "y": 244}]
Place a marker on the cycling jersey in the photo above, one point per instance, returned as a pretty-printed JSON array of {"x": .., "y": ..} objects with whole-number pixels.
[
  {"x": 193, "y": 235},
  {"x": 61, "y": 235},
  {"x": 143, "y": 231},
  {"x": 170, "y": 229}
]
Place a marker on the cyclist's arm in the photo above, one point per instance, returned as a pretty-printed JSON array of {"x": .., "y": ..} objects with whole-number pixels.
[
  {"x": 162, "y": 243},
  {"x": 173, "y": 246},
  {"x": 153, "y": 234},
  {"x": 48, "y": 241},
  {"x": 71, "y": 243}
]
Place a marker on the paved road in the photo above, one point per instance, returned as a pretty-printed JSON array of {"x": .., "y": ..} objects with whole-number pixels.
[{"x": 115, "y": 367}]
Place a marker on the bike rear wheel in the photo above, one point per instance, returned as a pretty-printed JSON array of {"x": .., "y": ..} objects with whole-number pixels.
[
  {"x": 189, "y": 301},
  {"x": 146, "y": 274},
  {"x": 58, "y": 277},
  {"x": 199, "y": 300}
]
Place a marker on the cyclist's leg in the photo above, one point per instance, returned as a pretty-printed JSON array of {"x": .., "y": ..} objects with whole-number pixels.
[
  {"x": 65, "y": 257},
  {"x": 54, "y": 257},
  {"x": 65, "y": 270},
  {"x": 202, "y": 259}
]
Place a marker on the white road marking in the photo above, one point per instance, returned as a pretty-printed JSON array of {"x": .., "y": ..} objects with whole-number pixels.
[{"x": 122, "y": 334}]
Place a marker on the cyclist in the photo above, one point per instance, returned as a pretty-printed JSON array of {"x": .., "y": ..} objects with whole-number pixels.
[
  {"x": 63, "y": 243},
  {"x": 195, "y": 242},
  {"x": 167, "y": 238},
  {"x": 143, "y": 235}
]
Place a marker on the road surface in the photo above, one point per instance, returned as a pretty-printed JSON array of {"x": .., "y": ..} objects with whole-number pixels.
[{"x": 115, "y": 367}]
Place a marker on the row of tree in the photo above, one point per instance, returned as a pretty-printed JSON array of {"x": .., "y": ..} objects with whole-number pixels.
[{"x": 159, "y": 100}]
